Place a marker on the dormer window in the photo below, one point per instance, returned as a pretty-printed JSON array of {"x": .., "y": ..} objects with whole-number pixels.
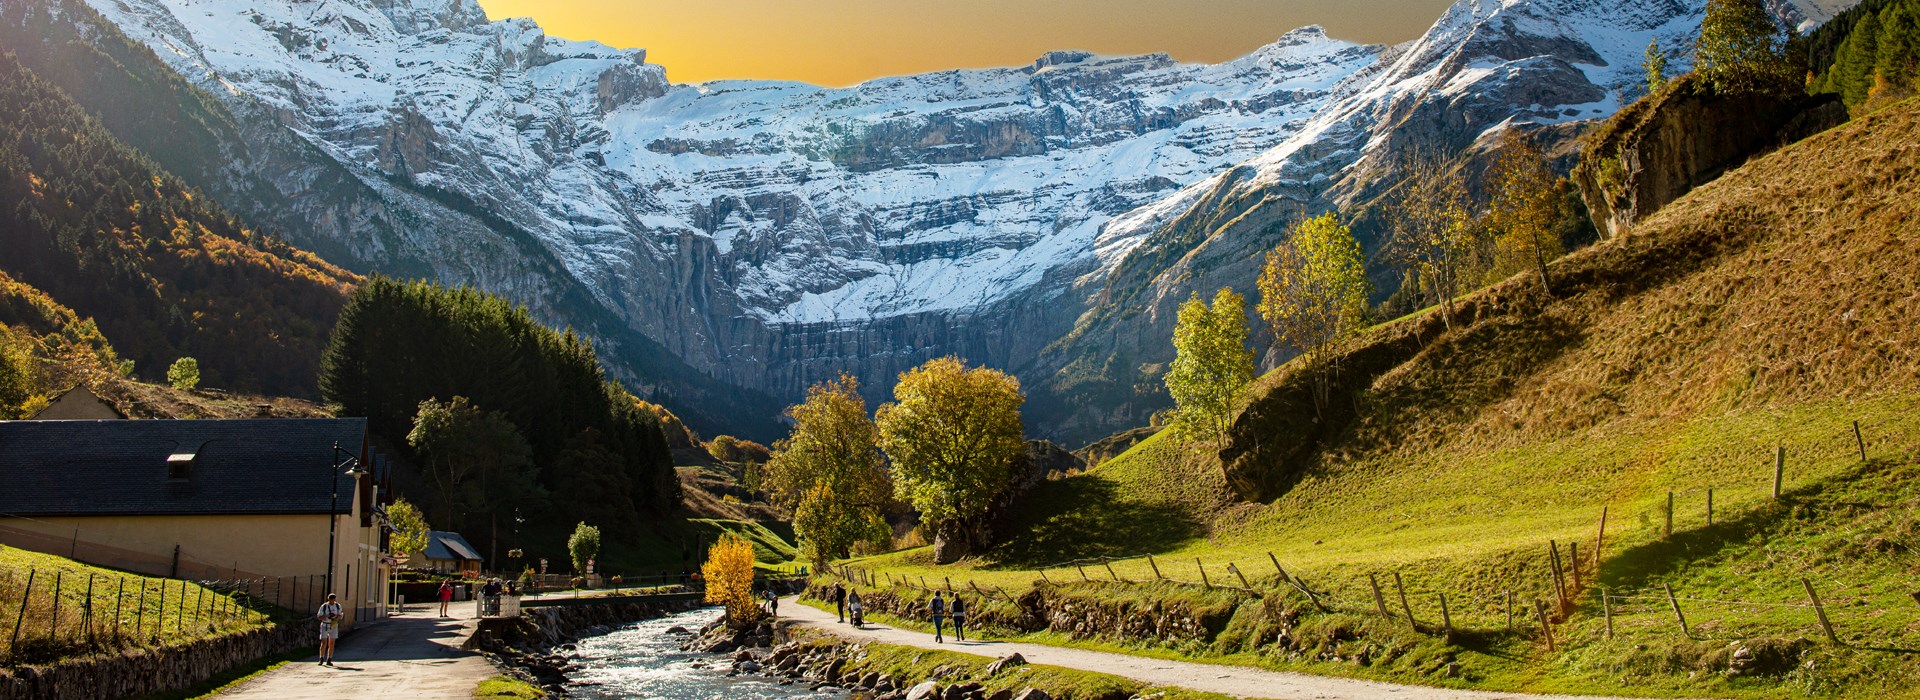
[{"x": 180, "y": 465}]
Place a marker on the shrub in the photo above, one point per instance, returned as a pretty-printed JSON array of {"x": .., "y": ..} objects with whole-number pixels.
[{"x": 729, "y": 576}]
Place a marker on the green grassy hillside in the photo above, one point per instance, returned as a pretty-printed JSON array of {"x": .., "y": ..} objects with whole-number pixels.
[{"x": 1770, "y": 309}]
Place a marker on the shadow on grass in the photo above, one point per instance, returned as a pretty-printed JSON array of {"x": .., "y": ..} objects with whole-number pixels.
[
  {"x": 1647, "y": 564},
  {"x": 1086, "y": 516}
]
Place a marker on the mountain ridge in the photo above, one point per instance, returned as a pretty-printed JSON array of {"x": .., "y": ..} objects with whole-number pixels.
[{"x": 769, "y": 234}]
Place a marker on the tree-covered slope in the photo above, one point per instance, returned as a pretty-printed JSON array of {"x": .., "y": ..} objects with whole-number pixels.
[{"x": 163, "y": 271}]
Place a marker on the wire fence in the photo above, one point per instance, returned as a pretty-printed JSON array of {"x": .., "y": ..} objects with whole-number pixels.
[
  {"x": 49, "y": 614},
  {"x": 1562, "y": 597}
]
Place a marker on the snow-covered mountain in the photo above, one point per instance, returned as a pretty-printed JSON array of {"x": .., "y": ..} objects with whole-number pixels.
[{"x": 771, "y": 234}]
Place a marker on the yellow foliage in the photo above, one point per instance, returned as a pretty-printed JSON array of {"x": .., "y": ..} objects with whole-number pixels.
[{"x": 729, "y": 575}]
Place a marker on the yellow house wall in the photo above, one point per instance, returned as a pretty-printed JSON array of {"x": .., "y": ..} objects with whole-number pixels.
[{"x": 221, "y": 546}]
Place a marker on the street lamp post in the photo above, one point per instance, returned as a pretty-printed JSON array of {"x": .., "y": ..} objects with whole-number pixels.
[{"x": 333, "y": 514}]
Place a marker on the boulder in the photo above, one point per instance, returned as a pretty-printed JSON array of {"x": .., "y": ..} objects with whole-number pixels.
[
  {"x": 1006, "y": 662},
  {"x": 925, "y": 691},
  {"x": 1033, "y": 694}
]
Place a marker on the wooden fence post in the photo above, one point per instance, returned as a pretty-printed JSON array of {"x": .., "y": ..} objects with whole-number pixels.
[
  {"x": 1203, "y": 573},
  {"x": 1600, "y": 540},
  {"x": 1404, "y": 605},
  {"x": 119, "y": 599},
  {"x": 1156, "y": 567},
  {"x": 1859, "y": 441},
  {"x": 1379, "y": 601},
  {"x": 1675, "y": 602},
  {"x": 1243, "y": 577},
  {"x": 86, "y": 617},
  {"x": 1043, "y": 577},
  {"x": 1573, "y": 564},
  {"x": 53, "y": 622},
  {"x": 1668, "y": 533},
  {"x": 1509, "y": 609},
  {"x": 1104, "y": 562},
  {"x": 1606, "y": 606},
  {"x": 140, "y": 614},
  {"x": 25, "y": 598},
  {"x": 1779, "y": 468},
  {"x": 1709, "y": 506},
  {"x": 1820, "y": 610},
  {"x": 949, "y": 580},
  {"x": 1446, "y": 619},
  {"x": 1559, "y": 575},
  {"x": 1546, "y": 627},
  {"x": 1276, "y": 567},
  {"x": 1083, "y": 572}
]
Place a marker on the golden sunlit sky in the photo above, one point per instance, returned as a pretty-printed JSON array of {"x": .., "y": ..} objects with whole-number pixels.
[{"x": 841, "y": 42}]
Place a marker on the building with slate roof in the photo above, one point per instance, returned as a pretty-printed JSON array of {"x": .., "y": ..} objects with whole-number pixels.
[
  {"x": 203, "y": 499},
  {"x": 448, "y": 552}
]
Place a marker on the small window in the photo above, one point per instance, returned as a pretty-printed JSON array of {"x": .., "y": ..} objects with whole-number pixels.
[{"x": 180, "y": 465}]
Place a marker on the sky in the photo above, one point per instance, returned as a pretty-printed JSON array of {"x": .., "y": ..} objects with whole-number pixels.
[{"x": 842, "y": 42}]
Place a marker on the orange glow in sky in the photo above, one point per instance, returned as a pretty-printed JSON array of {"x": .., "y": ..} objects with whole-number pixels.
[{"x": 841, "y": 42}]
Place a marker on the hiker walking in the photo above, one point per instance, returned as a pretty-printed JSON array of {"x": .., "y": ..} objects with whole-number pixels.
[
  {"x": 853, "y": 608},
  {"x": 773, "y": 603},
  {"x": 937, "y": 609},
  {"x": 958, "y": 609},
  {"x": 840, "y": 602},
  {"x": 329, "y": 617},
  {"x": 446, "y": 596}
]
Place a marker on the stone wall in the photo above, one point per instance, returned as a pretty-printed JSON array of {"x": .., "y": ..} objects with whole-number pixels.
[
  {"x": 151, "y": 671},
  {"x": 1110, "y": 612}
]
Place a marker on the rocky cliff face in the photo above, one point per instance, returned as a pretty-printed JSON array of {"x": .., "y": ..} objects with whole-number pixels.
[
  {"x": 766, "y": 235},
  {"x": 1663, "y": 148}
]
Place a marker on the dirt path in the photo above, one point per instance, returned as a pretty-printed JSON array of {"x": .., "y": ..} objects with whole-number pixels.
[
  {"x": 1239, "y": 681},
  {"x": 414, "y": 655}
]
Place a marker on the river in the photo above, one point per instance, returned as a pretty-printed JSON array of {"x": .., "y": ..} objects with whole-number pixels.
[{"x": 643, "y": 662}]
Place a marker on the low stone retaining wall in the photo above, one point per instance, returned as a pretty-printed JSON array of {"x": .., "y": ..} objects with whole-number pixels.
[
  {"x": 1082, "y": 611},
  {"x": 150, "y": 671}
]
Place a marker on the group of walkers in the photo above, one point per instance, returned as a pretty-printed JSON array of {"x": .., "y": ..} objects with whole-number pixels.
[{"x": 942, "y": 609}]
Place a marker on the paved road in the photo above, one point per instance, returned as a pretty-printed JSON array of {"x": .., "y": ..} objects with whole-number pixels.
[
  {"x": 1238, "y": 681},
  {"x": 415, "y": 655}
]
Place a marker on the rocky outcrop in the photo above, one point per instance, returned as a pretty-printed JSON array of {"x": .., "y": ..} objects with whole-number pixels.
[
  {"x": 1111, "y": 446},
  {"x": 1666, "y": 145},
  {"x": 147, "y": 672}
]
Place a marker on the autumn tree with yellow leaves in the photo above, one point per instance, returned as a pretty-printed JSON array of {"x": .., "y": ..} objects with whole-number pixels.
[
  {"x": 1313, "y": 293},
  {"x": 831, "y": 473},
  {"x": 729, "y": 578}
]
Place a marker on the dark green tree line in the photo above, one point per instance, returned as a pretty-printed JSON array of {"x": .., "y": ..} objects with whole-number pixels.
[{"x": 596, "y": 453}]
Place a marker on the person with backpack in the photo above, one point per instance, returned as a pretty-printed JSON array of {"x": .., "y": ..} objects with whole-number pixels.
[
  {"x": 937, "y": 609},
  {"x": 958, "y": 611},
  {"x": 840, "y": 602},
  {"x": 329, "y": 617},
  {"x": 853, "y": 608}
]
